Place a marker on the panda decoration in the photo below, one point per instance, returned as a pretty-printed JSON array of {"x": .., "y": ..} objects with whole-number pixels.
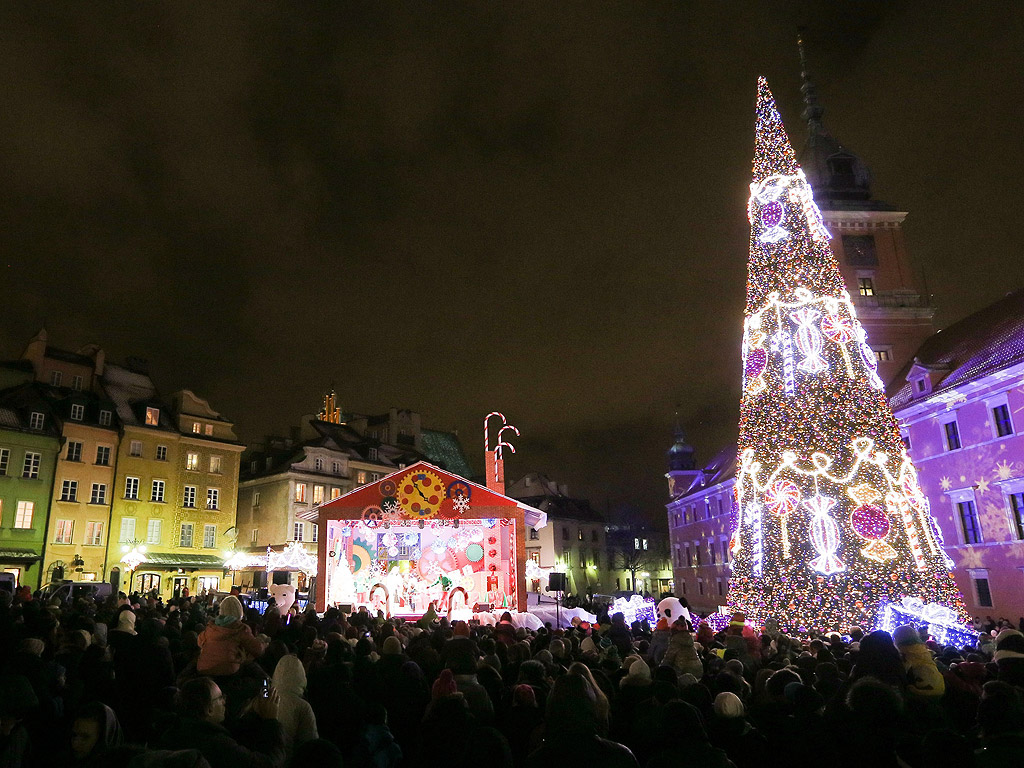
[{"x": 670, "y": 609}]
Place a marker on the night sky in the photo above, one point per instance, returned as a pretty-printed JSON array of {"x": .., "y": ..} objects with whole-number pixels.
[{"x": 537, "y": 208}]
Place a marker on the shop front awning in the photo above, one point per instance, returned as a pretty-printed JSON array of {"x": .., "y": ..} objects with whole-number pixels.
[
  {"x": 18, "y": 555},
  {"x": 166, "y": 560}
]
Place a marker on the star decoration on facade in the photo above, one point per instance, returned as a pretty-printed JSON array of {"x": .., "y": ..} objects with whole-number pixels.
[
  {"x": 946, "y": 483},
  {"x": 981, "y": 485},
  {"x": 1003, "y": 470}
]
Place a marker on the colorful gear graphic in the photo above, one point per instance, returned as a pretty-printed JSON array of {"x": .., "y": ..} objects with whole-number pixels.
[{"x": 421, "y": 494}]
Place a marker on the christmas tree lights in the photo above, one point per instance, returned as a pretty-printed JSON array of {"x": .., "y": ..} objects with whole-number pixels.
[{"x": 832, "y": 524}]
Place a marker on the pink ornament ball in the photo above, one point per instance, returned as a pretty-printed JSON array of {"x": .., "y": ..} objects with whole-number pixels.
[
  {"x": 870, "y": 521},
  {"x": 757, "y": 360}
]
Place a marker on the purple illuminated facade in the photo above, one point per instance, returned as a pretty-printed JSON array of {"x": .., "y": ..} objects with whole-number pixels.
[{"x": 961, "y": 407}]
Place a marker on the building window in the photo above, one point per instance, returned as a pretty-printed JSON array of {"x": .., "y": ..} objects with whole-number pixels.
[
  {"x": 131, "y": 487},
  {"x": 209, "y": 536},
  {"x": 94, "y": 534},
  {"x": 154, "y": 530},
  {"x": 883, "y": 355},
  {"x": 1017, "y": 510},
  {"x": 256, "y": 498},
  {"x": 254, "y": 466},
  {"x": 712, "y": 554},
  {"x": 593, "y": 535},
  {"x": 534, "y": 535},
  {"x": 721, "y": 588},
  {"x": 969, "y": 521},
  {"x": 372, "y": 454},
  {"x": 268, "y": 462},
  {"x": 23, "y": 517},
  {"x": 860, "y": 250},
  {"x": 36, "y": 420},
  {"x": 161, "y": 453},
  {"x": 255, "y": 536},
  {"x": 297, "y": 531},
  {"x": 185, "y": 538},
  {"x": 105, "y": 418},
  {"x": 645, "y": 543},
  {"x": 77, "y": 412},
  {"x": 135, "y": 448},
  {"x": 76, "y": 383},
  {"x": 192, "y": 461},
  {"x": 865, "y": 286},
  {"x": 189, "y": 499},
  {"x": 197, "y": 428},
  {"x": 952, "y": 435},
  {"x": 69, "y": 490},
  {"x": 157, "y": 493},
  {"x": 30, "y": 468},
  {"x": 74, "y": 450},
  {"x": 696, "y": 553},
  {"x": 335, "y": 493},
  {"x": 152, "y": 417},
  {"x": 98, "y": 495},
  {"x": 374, "y": 477},
  {"x": 318, "y": 494},
  {"x": 103, "y": 455},
  {"x": 725, "y": 551},
  {"x": 580, "y": 534},
  {"x": 583, "y": 559},
  {"x": 700, "y": 586},
  {"x": 5, "y": 458},
  {"x": 905, "y": 438},
  {"x": 127, "y": 530},
  {"x": 689, "y": 561},
  {"x": 982, "y": 588},
  {"x": 208, "y": 430},
  {"x": 1001, "y": 419},
  {"x": 55, "y": 378},
  {"x": 319, "y": 464},
  {"x": 316, "y": 532},
  {"x": 360, "y": 478},
  {"x": 300, "y": 493},
  {"x": 565, "y": 533},
  {"x": 213, "y": 498},
  {"x": 215, "y": 462},
  {"x": 636, "y": 544},
  {"x": 64, "y": 532},
  {"x": 336, "y": 467}
]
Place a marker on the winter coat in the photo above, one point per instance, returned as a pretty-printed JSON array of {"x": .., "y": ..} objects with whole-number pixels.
[
  {"x": 659, "y": 644},
  {"x": 295, "y": 714},
  {"x": 223, "y": 650},
  {"x": 923, "y": 677},
  {"x": 682, "y": 655},
  {"x": 265, "y": 748}
]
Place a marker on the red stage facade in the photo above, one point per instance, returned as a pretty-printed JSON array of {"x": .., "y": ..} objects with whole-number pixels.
[{"x": 423, "y": 535}]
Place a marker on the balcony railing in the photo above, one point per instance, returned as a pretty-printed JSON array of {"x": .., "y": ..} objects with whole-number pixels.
[{"x": 892, "y": 299}]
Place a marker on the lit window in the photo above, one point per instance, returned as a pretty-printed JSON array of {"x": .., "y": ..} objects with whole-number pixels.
[
  {"x": 103, "y": 455},
  {"x": 361, "y": 478},
  {"x": 208, "y": 430},
  {"x": 213, "y": 498},
  {"x": 131, "y": 488},
  {"x": 318, "y": 494},
  {"x": 98, "y": 495},
  {"x": 579, "y": 534},
  {"x": 197, "y": 428},
  {"x": 189, "y": 499},
  {"x": 30, "y": 468},
  {"x": 1001, "y": 419},
  {"x": 158, "y": 491},
  {"x": 335, "y": 493},
  {"x": 209, "y": 536},
  {"x": 161, "y": 453},
  {"x": 77, "y": 412},
  {"x": 154, "y": 530},
  {"x": 192, "y": 461},
  {"x": 69, "y": 490},
  {"x": 883, "y": 355},
  {"x": 64, "y": 532},
  {"x": 105, "y": 417},
  {"x": 185, "y": 537},
  {"x": 55, "y": 378},
  {"x": 152, "y": 417},
  {"x": 636, "y": 543},
  {"x": 645, "y": 543},
  {"x": 952, "y": 435},
  {"x": 215, "y": 465},
  {"x": 76, "y": 383},
  {"x": 74, "y": 450},
  {"x": 36, "y": 420},
  {"x": 300, "y": 492},
  {"x": 23, "y": 518},
  {"x": 127, "y": 530},
  {"x": 135, "y": 448},
  {"x": 94, "y": 534},
  {"x": 865, "y": 286}
]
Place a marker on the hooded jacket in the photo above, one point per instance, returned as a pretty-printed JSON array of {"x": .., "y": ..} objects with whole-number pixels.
[
  {"x": 295, "y": 713},
  {"x": 223, "y": 649},
  {"x": 682, "y": 655}
]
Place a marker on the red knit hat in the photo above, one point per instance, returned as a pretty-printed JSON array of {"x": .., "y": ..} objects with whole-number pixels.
[{"x": 444, "y": 686}]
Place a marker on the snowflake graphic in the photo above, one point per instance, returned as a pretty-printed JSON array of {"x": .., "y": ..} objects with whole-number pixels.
[
  {"x": 982, "y": 485},
  {"x": 461, "y": 503},
  {"x": 1004, "y": 470},
  {"x": 946, "y": 483},
  {"x": 971, "y": 558},
  {"x": 392, "y": 509}
]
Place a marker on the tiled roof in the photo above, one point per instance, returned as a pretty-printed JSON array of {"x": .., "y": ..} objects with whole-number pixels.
[
  {"x": 564, "y": 508},
  {"x": 9, "y": 418},
  {"x": 987, "y": 341},
  {"x": 444, "y": 450}
]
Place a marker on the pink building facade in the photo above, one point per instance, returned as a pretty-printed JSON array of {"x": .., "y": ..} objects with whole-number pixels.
[{"x": 961, "y": 408}]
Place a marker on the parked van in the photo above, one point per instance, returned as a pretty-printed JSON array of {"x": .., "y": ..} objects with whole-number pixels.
[
  {"x": 8, "y": 582},
  {"x": 69, "y": 591}
]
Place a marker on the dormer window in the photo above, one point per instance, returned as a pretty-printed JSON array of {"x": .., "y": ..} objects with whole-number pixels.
[
  {"x": 77, "y": 412},
  {"x": 55, "y": 378},
  {"x": 36, "y": 420},
  {"x": 152, "y": 417},
  {"x": 373, "y": 454}
]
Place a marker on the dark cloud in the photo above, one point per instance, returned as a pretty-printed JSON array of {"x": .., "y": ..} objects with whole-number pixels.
[{"x": 458, "y": 207}]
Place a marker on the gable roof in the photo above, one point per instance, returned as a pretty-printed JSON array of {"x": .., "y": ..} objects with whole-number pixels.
[{"x": 987, "y": 341}]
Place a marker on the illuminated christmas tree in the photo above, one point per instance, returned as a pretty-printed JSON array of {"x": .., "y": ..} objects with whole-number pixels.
[{"x": 832, "y": 525}]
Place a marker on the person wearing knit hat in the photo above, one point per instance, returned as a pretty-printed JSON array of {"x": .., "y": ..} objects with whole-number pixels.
[
  {"x": 444, "y": 686},
  {"x": 1009, "y": 657},
  {"x": 227, "y": 643},
  {"x": 392, "y": 646},
  {"x": 588, "y": 646},
  {"x": 729, "y": 705},
  {"x": 230, "y": 611},
  {"x": 639, "y": 673},
  {"x": 924, "y": 678}
]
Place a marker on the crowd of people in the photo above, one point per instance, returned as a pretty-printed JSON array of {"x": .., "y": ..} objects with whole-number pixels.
[{"x": 209, "y": 682}]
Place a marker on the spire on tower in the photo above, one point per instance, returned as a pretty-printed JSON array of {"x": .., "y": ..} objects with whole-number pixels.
[{"x": 813, "y": 111}]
